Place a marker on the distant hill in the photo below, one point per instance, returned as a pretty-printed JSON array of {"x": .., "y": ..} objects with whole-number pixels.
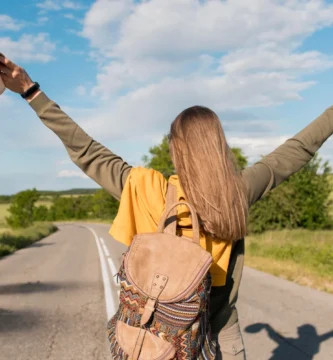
[
  {"x": 68, "y": 192},
  {"x": 6, "y": 199}
]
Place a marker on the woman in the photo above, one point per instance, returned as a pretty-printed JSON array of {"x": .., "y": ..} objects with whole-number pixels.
[{"x": 220, "y": 194}]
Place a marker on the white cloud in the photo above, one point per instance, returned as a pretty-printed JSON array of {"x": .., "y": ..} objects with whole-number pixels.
[
  {"x": 64, "y": 162},
  {"x": 102, "y": 20},
  {"x": 254, "y": 147},
  {"x": 142, "y": 44},
  {"x": 69, "y": 16},
  {"x": 8, "y": 23},
  {"x": 72, "y": 5},
  {"x": 257, "y": 146},
  {"x": 157, "y": 57},
  {"x": 80, "y": 90},
  {"x": 155, "y": 103},
  {"x": 150, "y": 110},
  {"x": 28, "y": 48},
  {"x": 71, "y": 174},
  {"x": 271, "y": 58},
  {"x": 49, "y": 5},
  {"x": 52, "y": 5},
  {"x": 66, "y": 49},
  {"x": 186, "y": 27},
  {"x": 43, "y": 20},
  {"x": 132, "y": 74}
]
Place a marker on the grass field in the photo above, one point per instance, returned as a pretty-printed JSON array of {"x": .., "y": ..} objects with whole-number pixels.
[
  {"x": 3, "y": 214},
  {"x": 44, "y": 202},
  {"x": 303, "y": 256}
]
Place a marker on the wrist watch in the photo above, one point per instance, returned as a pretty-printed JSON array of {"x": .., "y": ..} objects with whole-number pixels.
[{"x": 32, "y": 89}]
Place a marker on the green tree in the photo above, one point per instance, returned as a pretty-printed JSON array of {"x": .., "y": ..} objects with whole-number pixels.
[
  {"x": 62, "y": 209},
  {"x": 159, "y": 158},
  {"x": 302, "y": 201},
  {"x": 84, "y": 207},
  {"x": 22, "y": 209},
  {"x": 105, "y": 205},
  {"x": 70, "y": 208},
  {"x": 41, "y": 213},
  {"x": 240, "y": 158}
]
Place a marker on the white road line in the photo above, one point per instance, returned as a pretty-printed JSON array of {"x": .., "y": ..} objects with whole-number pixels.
[
  {"x": 110, "y": 306},
  {"x": 106, "y": 251},
  {"x": 112, "y": 266},
  {"x": 113, "y": 270}
]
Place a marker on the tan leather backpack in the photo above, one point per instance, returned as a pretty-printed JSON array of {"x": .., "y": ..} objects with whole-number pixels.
[{"x": 164, "y": 299}]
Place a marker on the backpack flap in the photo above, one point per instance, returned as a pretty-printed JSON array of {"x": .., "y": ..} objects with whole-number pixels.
[
  {"x": 178, "y": 259},
  {"x": 155, "y": 256},
  {"x": 141, "y": 344}
]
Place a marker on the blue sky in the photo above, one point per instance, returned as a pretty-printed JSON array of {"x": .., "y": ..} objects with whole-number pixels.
[{"x": 124, "y": 69}]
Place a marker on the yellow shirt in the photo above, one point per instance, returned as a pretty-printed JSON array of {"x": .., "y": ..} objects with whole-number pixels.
[{"x": 141, "y": 206}]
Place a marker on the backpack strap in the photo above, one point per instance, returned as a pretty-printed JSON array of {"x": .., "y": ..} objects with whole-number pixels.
[
  {"x": 171, "y": 198},
  {"x": 168, "y": 222},
  {"x": 195, "y": 220}
]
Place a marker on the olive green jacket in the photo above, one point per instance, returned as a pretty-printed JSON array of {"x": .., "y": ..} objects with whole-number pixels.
[{"x": 110, "y": 172}]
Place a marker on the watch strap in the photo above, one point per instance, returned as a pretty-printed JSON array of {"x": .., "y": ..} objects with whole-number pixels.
[{"x": 32, "y": 89}]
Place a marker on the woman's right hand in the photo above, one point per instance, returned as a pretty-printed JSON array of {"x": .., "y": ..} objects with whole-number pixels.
[{"x": 14, "y": 77}]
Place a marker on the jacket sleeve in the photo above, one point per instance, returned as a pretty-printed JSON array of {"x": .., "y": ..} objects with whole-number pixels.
[
  {"x": 288, "y": 158},
  {"x": 94, "y": 159}
]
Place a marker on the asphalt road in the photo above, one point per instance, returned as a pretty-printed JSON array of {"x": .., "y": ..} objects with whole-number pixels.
[{"x": 56, "y": 296}]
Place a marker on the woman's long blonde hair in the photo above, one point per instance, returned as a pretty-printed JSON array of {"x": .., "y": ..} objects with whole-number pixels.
[{"x": 208, "y": 174}]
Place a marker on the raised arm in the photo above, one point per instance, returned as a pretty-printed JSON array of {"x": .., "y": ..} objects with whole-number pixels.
[
  {"x": 98, "y": 162},
  {"x": 288, "y": 158}
]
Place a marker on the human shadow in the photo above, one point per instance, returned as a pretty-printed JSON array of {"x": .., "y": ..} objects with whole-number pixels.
[
  {"x": 305, "y": 346},
  {"x": 40, "y": 244},
  {"x": 34, "y": 287},
  {"x": 22, "y": 320}
]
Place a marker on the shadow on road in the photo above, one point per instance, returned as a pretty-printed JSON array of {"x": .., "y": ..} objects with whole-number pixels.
[
  {"x": 34, "y": 287},
  {"x": 17, "y": 320},
  {"x": 39, "y": 244},
  {"x": 305, "y": 346}
]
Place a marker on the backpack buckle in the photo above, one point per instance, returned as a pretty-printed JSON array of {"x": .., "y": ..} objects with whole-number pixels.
[
  {"x": 148, "y": 311},
  {"x": 158, "y": 285}
]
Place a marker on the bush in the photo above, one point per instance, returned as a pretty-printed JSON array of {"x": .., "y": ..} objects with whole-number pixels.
[
  {"x": 14, "y": 240},
  {"x": 22, "y": 209},
  {"x": 41, "y": 213},
  {"x": 70, "y": 208},
  {"x": 302, "y": 201},
  {"x": 105, "y": 205},
  {"x": 6, "y": 250}
]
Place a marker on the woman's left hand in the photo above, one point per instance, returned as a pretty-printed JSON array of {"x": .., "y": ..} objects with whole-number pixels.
[{"x": 14, "y": 77}]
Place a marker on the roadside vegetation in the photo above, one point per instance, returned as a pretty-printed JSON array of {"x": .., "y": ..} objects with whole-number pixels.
[
  {"x": 303, "y": 256},
  {"x": 12, "y": 240},
  {"x": 290, "y": 232},
  {"x": 28, "y": 216}
]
